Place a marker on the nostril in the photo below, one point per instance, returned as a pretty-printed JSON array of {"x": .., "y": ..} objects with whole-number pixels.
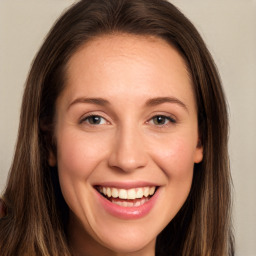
[{"x": 128, "y": 162}]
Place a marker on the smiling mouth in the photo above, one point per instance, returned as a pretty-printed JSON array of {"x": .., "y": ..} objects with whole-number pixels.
[{"x": 133, "y": 197}]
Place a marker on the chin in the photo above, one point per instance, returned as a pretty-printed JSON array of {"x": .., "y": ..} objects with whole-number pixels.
[{"x": 130, "y": 244}]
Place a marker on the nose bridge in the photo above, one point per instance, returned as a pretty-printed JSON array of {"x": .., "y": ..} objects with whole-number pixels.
[{"x": 129, "y": 152}]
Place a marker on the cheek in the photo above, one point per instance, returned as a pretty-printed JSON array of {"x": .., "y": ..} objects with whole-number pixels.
[
  {"x": 176, "y": 161},
  {"x": 176, "y": 158},
  {"x": 78, "y": 156}
]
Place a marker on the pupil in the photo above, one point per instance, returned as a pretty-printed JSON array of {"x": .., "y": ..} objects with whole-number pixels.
[
  {"x": 94, "y": 119},
  {"x": 159, "y": 120}
]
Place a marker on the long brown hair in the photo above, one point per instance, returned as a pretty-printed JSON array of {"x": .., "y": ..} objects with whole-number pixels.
[{"x": 36, "y": 211}]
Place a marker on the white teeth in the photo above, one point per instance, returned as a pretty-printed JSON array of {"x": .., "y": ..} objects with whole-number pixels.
[
  {"x": 129, "y": 204},
  {"x": 152, "y": 190},
  {"x": 133, "y": 193},
  {"x": 109, "y": 192},
  {"x": 117, "y": 202},
  {"x": 139, "y": 193},
  {"x": 146, "y": 192},
  {"x": 114, "y": 192},
  {"x": 122, "y": 194},
  {"x": 137, "y": 204}
]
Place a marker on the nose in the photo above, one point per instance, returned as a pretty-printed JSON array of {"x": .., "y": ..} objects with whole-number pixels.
[{"x": 128, "y": 153}]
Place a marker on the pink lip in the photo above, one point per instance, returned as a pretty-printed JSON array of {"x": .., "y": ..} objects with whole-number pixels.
[
  {"x": 127, "y": 185},
  {"x": 127, "y": 213}
]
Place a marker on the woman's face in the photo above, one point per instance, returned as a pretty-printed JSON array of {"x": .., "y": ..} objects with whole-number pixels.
[{"x": 127, "y": 140}]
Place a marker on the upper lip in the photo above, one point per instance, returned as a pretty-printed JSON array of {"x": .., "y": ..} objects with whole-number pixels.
[{"x": 126, "y": 185}]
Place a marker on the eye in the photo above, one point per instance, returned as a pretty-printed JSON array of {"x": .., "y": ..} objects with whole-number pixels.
[
  {"x": 94, "y": 120},
  {"x": 161, "y": 120}
]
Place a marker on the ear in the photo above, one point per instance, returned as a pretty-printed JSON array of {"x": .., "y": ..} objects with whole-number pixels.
[
  {"x": 199, "y": 152},
  {"x": 52, "y": 161}
]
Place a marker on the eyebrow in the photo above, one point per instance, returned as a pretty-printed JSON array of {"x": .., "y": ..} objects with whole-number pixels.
[
  {"x": 161, "y": 100},
  {"x": 150, "y": 103},
  {"x": 95, "y": 101}
]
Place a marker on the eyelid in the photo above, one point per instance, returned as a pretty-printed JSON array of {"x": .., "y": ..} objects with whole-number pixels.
[
  {"x": 172, "y": 120},
  {"x": 87, "y": 120},
  {"x": 90, "y": 114}
]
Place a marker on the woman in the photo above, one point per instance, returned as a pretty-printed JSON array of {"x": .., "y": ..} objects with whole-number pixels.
[{"x": 122, "y": 146}]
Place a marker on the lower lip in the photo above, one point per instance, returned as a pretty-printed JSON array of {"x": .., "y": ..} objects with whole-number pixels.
[{"x": 128, "y": 213}]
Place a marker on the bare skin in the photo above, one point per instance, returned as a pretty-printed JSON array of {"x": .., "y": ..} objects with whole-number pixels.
[{"x": 126, "y": 117}]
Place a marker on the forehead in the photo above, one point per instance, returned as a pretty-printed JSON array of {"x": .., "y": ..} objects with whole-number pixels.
[
  {"x": 119, "y": 62},
  {"x": 127, "y": 46}
]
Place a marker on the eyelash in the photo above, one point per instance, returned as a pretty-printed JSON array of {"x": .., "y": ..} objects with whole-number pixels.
[
  {"x": 85, "y": 119},
  {"x": 167, "y": 120}
]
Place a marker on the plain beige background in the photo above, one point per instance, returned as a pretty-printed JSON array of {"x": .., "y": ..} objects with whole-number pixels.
[{"x": 229, "y": 29}]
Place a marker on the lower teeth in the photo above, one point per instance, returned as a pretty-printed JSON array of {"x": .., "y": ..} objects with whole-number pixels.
[{"x": 132, "y": 203}]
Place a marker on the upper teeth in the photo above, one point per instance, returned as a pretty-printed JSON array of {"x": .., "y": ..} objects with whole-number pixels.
[{"x": 132, "y": 193}]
